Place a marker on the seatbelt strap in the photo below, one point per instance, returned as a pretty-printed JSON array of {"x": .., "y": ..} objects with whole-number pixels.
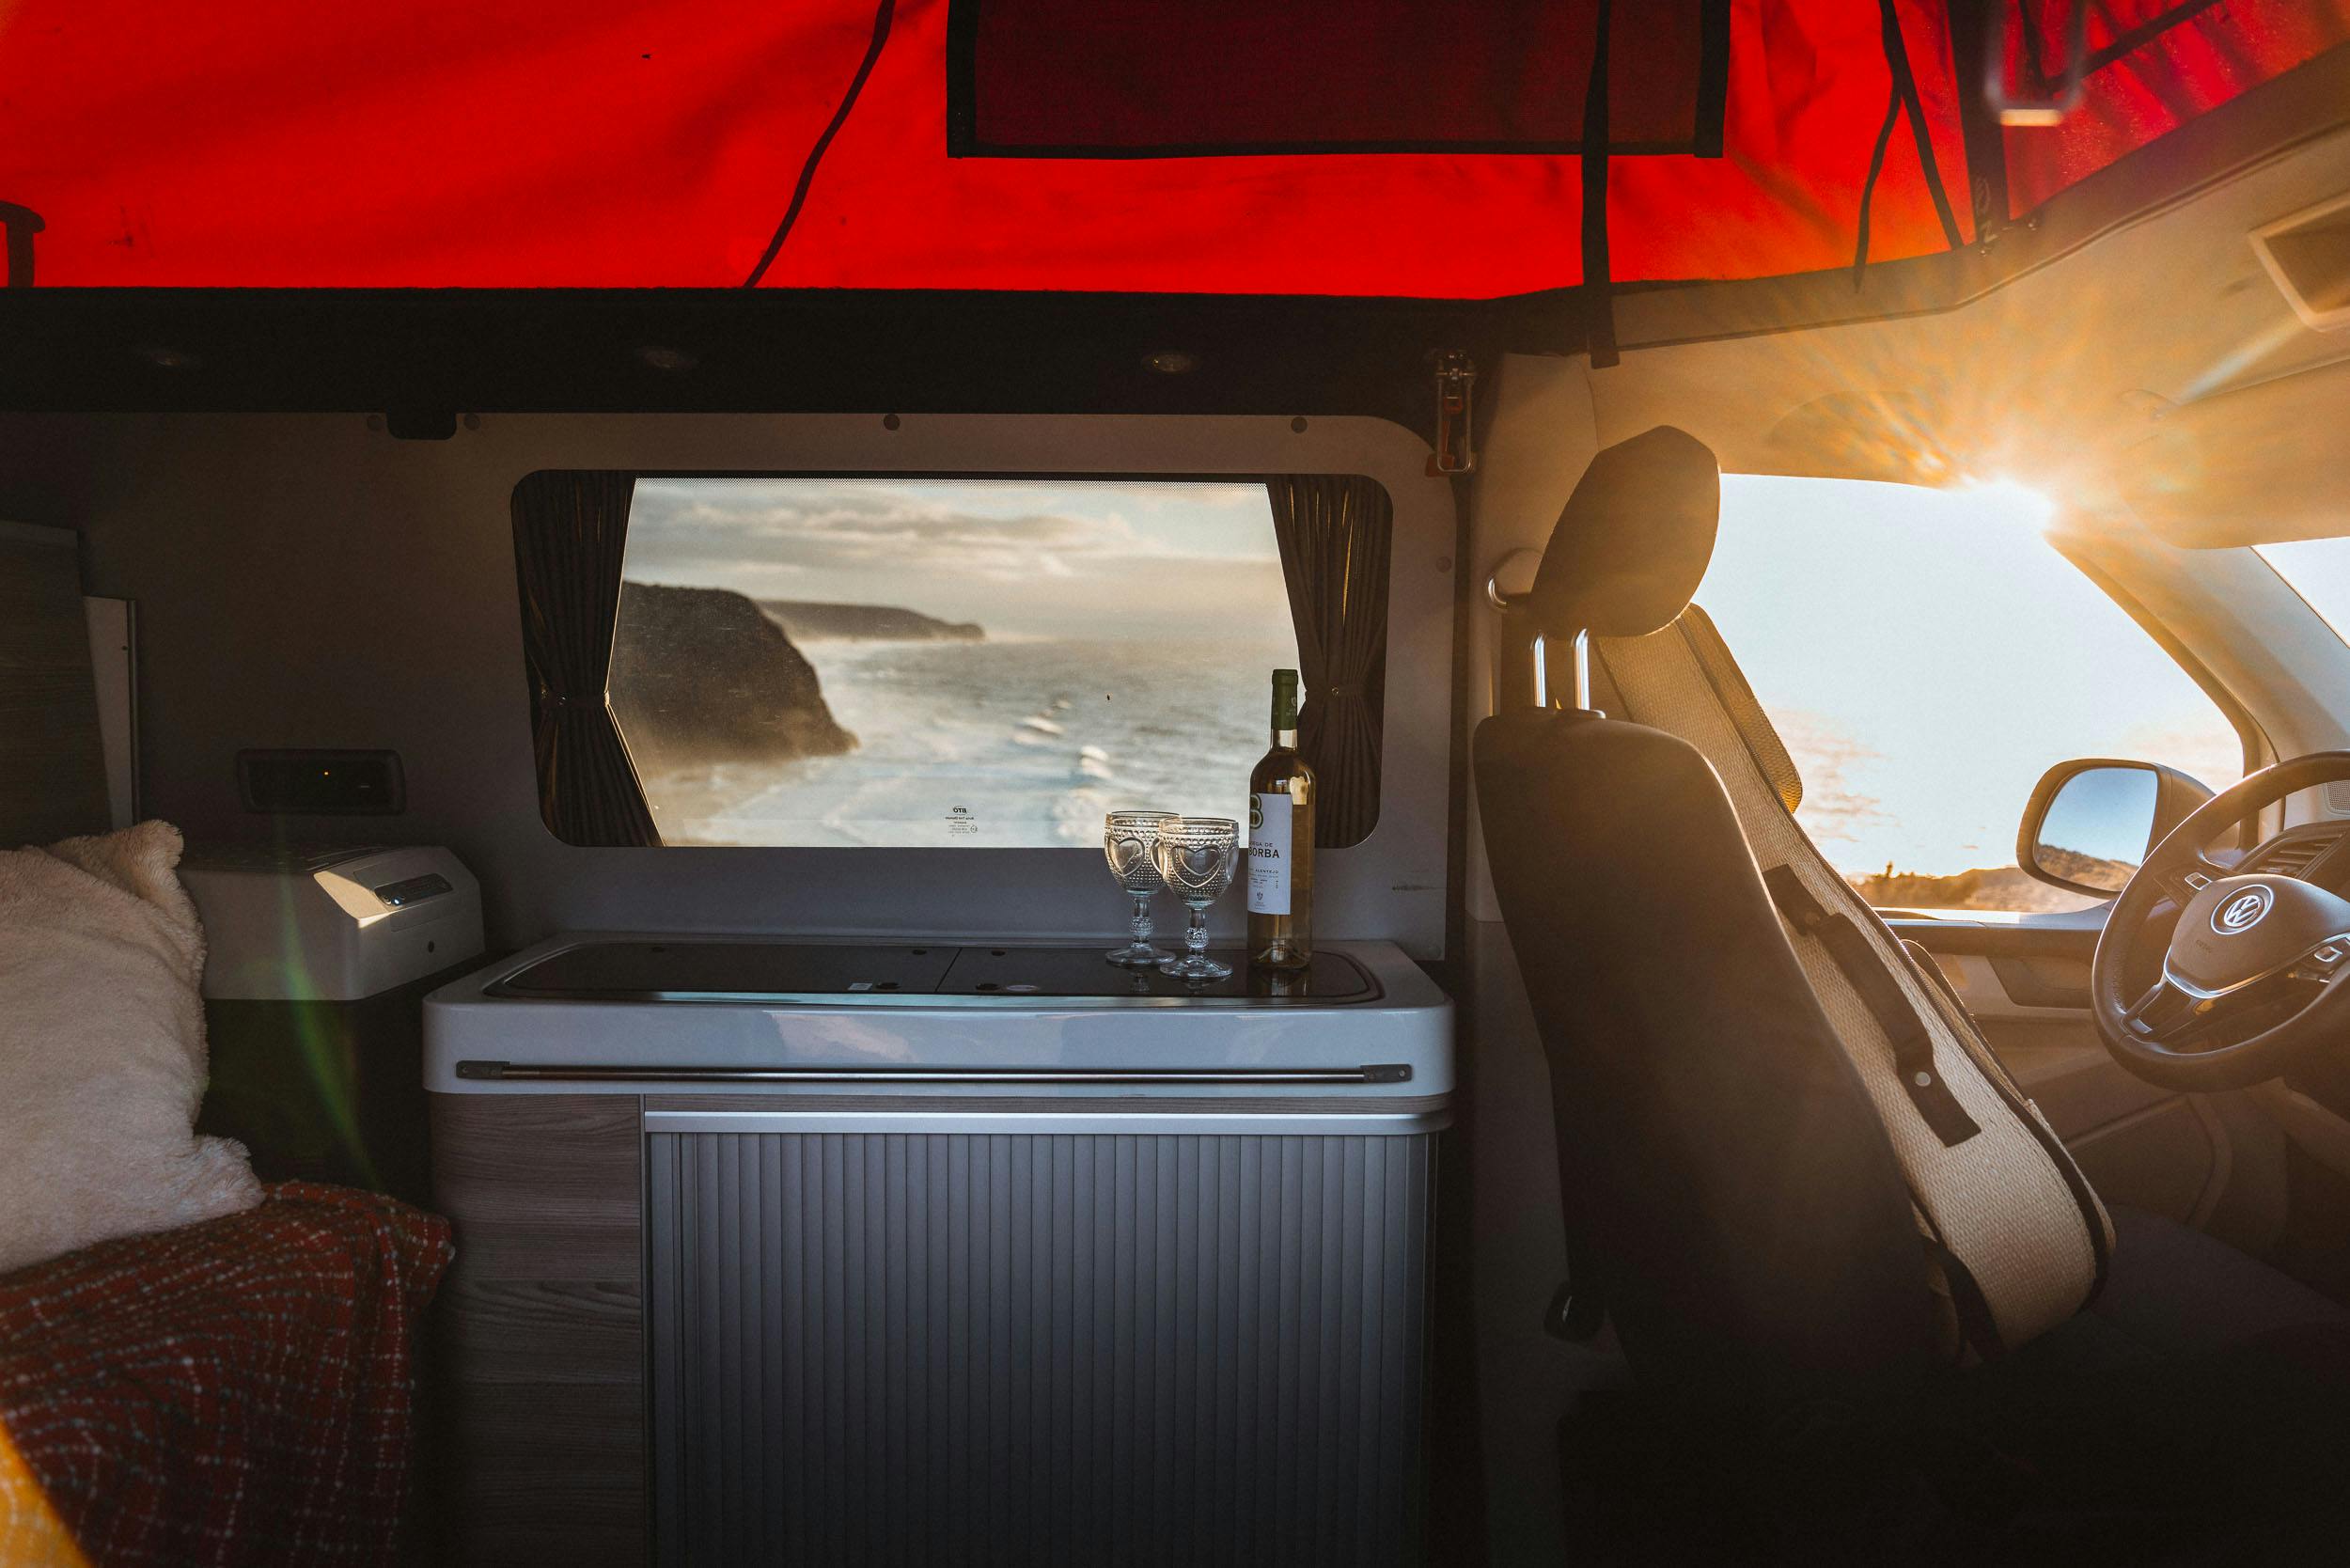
[
  {"x": 1882, "y": 995},
  {"x": 1954, "y": 1013}
]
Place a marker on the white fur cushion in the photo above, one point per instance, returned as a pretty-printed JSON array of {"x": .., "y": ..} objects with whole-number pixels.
[{"x": 101, "y": 1049}]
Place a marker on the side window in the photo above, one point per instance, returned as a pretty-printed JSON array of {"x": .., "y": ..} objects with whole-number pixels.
[{"x": 1926, "y": 655}]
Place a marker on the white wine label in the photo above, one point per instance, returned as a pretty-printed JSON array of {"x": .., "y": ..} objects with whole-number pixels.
[{"x": 1269, "y": 854}]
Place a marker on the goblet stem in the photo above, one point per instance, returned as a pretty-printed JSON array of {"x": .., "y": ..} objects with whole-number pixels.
[
  {"x": 1196, "y": 933},
  {"x": 1140, "y": 923}
]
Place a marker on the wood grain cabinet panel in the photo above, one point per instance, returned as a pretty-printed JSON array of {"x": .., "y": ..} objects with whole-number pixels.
[{"x": 540, "y": 1329}]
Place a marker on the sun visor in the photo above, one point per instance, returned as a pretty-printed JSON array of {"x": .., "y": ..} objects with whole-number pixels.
[
  {"x": 1191, "y": 78},
  {"x": 2257, "y": 466}
]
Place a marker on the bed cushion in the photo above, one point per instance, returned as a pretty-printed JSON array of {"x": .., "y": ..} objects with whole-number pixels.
[{"x": 101, "y": 1049}]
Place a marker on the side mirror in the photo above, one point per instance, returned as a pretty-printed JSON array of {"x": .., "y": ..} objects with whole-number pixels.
[{"x": 2091, "y": 822}]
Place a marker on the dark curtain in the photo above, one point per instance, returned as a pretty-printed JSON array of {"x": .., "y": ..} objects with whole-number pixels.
[
  {"x": 1334, "y": 532},
  {"x": 570, "y": 529}
]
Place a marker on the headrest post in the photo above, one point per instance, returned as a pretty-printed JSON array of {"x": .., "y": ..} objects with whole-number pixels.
[{"x": 1581, "y": 690}]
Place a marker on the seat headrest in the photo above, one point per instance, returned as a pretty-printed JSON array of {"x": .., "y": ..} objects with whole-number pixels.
[{"x": 1633, "y": 541}]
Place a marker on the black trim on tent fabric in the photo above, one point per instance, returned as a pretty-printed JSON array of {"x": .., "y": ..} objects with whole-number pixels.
[
  {"x": 1903, "y": 99},
  {"x": 1712, "y": 78},
  {"x": 882, "y": 18},
  {"x": 963, "y": 79},
  {"x": 1905, "y": 84},
  {"x": 1869, "y": 187},
  {"x": 1708, "y": 113},
  {"x": 2035, "y": 65},
  {"x": 1599, "y": 318},
  {"x": 1969, "y": 24},
  {"x": 1113, "y": 153},
  {"x": 2121, "y": 45},
  {"x": 2143, "y": 34},
  {"x": 19, "y": 224}
]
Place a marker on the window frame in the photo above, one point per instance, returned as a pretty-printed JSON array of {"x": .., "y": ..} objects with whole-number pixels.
[
  {"x": 1390, "y": 887},
  {"x": 2258, "y": 752}
]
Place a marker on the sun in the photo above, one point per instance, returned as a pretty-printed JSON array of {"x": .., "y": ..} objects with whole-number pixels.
[{"x": 2014, "y": 502}]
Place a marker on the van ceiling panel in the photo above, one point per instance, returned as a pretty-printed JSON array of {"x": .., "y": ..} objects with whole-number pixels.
[
  {"x": 260, "y": 548},
  {"x": 1173, "y": 78}
]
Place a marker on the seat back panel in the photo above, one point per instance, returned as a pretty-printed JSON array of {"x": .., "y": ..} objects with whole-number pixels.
[
  {"x": 1718, "y": 1152},
  {"x": 2000, "y": 1199}
]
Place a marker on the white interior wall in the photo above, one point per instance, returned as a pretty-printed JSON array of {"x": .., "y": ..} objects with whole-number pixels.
[{"x": 308, "y": 581}]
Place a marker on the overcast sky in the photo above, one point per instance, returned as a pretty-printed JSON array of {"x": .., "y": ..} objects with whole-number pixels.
[{"x": 1021, "y": 557}]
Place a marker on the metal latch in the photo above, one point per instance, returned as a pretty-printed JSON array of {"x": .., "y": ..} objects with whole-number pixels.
[{"x": 1456, "y": 377}]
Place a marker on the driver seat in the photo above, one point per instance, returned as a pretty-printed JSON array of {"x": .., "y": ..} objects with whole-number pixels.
[{"x": 1793, "y": 1171}]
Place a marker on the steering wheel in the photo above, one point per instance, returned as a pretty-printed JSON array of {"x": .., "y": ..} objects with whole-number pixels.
[{"x": 2251, "y": 982}]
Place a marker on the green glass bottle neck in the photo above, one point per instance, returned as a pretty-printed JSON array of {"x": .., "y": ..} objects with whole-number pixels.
[{"x": 1285, "y": 709}]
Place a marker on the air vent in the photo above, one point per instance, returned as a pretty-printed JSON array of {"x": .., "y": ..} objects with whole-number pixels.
[
  {"x": 2309, "y": 255},
  {"x": 2293, "y": 857}
]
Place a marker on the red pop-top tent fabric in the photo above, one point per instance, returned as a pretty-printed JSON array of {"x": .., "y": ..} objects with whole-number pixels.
[
  {"x": 658, "y": 143},
  {"x": 2158, "y": 64}
]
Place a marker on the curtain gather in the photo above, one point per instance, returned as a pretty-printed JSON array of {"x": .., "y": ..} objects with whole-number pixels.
[
  {"x": 570, "y": 529},
  {"x": 1333, "y": 533}
]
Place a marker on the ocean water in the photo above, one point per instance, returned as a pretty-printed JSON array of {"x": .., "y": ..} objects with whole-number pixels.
[{"x": 1000, "y": 744}]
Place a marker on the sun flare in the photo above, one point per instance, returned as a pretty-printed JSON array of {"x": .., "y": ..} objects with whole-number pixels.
[{"x": 2012, "y": 502}]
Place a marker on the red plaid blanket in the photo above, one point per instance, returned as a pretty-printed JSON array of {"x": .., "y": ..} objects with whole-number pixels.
[{"x": 239, "y": 1391}]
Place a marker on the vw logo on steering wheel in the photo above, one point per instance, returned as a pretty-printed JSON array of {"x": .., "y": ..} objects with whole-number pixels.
[{"x": 2244, "y": 910}]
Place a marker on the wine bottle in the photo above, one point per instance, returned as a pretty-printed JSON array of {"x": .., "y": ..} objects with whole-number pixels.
[{"x": 1281, "y": 843}]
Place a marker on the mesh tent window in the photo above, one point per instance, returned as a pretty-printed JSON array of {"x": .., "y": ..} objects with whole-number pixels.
[{"x": 1191, "y": 78}]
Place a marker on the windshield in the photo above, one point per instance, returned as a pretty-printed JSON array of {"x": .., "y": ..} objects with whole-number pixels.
[
  {"x": 1926, "y": 655},
  {"x": 2318, "y": 570}
]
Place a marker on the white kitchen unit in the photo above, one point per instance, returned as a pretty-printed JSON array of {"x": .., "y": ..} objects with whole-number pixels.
[{"x": 949, "y": 1251}]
